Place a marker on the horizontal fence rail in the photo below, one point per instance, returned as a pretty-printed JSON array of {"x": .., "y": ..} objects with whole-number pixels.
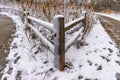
[
  {"x": 73, "y": 23},
  {"x": 47, "y": 25}
]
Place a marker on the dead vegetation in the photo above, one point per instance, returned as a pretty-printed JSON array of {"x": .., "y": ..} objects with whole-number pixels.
[{"x": 49, "y": 8}]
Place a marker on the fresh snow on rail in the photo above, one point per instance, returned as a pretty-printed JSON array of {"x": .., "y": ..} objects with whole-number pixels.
[{"x": 43, "y": 23}]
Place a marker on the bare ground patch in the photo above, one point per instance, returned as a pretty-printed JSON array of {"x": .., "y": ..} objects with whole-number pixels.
[{"x": 7, "y": 28}]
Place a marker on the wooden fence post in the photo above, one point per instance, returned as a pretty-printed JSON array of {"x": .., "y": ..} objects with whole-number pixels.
[
  {"x": 85, "y": 23},
  {"x": 26, "y": 20},
  {"x": 59, "y": 42}
]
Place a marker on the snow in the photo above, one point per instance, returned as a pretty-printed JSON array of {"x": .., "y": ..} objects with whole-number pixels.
[
  {"x": 96, "y": 60},
  {"x": 58, "y": 16},
  {"x": 114, "y": 16},
  {"x": 97, "y": 40},
  {"x": 10, "y": 8}
]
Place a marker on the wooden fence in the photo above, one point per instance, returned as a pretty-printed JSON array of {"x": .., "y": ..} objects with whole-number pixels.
[
  {"x": 59, "y": 48},
  {"x": 59, "y": 28}
]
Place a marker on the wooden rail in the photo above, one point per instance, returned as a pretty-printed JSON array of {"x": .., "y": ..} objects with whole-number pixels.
[
  {"x": 73, "y": 23},
  {"x": 47, "y": 25}
]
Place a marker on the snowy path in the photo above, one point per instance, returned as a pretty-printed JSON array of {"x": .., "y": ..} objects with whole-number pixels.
[
  {"x": 112, "y": 26},
  {"x": 6, "y": 30}
]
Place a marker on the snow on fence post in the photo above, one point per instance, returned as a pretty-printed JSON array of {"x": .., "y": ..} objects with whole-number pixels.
[{"x": 59, "y": 42}]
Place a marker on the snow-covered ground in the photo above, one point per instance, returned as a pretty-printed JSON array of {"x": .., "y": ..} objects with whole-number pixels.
[
  {"x": 112, "y": 15},
  {"x": 99, "y": 59}
]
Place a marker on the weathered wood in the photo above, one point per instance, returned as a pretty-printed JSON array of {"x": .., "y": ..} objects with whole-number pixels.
[
  {"x": 85, "y": 23},
  {"x": 45, "y": 24},
  {"x": 73, "y": 23},
  {"x": 59, "y": 42},
  {"x": 26, "y": 18}
]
